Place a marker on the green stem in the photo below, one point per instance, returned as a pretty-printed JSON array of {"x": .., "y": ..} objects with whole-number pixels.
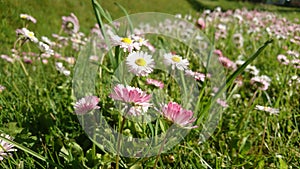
[
  {"x": 160, "y": 150},
  {"x": 119, "y": 142}
]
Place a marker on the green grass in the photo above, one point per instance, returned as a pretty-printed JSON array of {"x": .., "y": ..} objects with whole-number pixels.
[{"x": 36, "y": 106}]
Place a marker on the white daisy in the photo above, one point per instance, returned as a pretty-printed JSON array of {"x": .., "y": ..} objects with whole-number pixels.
[
  {"x": 127, "y": 43},
  {"x": 267, "y": 109},
  {"x": 45, "y": 48},
  {"x": 175, "y": 61},
  {"x": 28, "y": 17},
  {"x": 139, "y": 42},
  {"x": 140, "y": 63},
  {"x": 27, "y": 34},
  {"x": 60, "y": 67}
]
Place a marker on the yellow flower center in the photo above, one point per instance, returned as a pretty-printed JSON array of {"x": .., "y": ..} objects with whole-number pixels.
[
  {"x": 127, "y": 40},
  {"x": 141, "y": 62},
  {"x": 176, "y": 58},
  {"x": 70, "y": 25},
  {"x": 23, "y": 16},
  {"x": 30, "y": 34}
]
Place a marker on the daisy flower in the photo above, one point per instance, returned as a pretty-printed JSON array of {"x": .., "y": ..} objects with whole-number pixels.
[
  {"x": 293, "y": 53},
  {"x": 262, "y": 82},
  {"x": 60, "y": 67},
  {"x": 28, "y": 17},
  {"x": 252, "y": 70},
  {"x": 126, "y": 43},
  {"x": 176, "y": 114},
  {"x": 238, "y": 39},
  {"x": 283, "y": 59},
  {"x": 267, "y": 109},
  {"x": 155, "y": 83},
  {"x": 5, "y": 147},
  {"x": 227, "y": 63},
  {"x": 201, "y": 23},
  {"x": 140, "y": 63},
  {"x": 47, "y": 41},
  {"x": 198, "y": 76},
  {"x": 218, "y": 52},
  {"x": 70, "y": 24},
  {"x": 86, "y": 105},
  {"x": 7, "y": 58},
  {"x": 296, "y": 63},
  {"x": 223, "y": 103},
  {"x": 27, "y": 34},
  {"x": 140, "y": 41},
  {"x": 175, "y": 61},
  {"x": 135, "y": 97},
  {"x": 45, "y": 48}
]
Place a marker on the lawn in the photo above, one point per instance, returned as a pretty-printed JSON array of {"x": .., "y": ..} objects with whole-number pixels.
[{"x": 210, "y": 88}]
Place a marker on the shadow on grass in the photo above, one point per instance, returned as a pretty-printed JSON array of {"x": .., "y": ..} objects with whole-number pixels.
[{"x": 196, "y": 5}]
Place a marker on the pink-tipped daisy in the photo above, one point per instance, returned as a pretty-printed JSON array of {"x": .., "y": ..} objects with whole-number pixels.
[
  {"x": 227, "y": 63},
  {"x": 261, "y": 82},
  {"x": 283, "y": 59},
  {"x": 155, "y": 83},
  {"x": 70, "y": 24},
  {"x": 175, "y": 61},
  {"x": 140, "y": 63},
  {"x": 296, "y": 63},
  {"x": 28, "y": 17},
  {"x": 201, "y": 23},
  {"x": 223, "y": 103},
  {"x": 135, "y": 97},
  {"x": 7, "y": 58},
  {"x": 176, "y": 114},
  {"x": 5, "y": 147},
  {"x": 218, "y": 52},
  {"x": 86, "y": 104},
  {"x": 198, "y": 76}
]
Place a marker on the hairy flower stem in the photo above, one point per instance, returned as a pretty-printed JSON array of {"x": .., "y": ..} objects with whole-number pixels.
[
  {"x": 120, "y": 136},
  {"x": 160, "y": 150},
  {"x": 119, "y": 142}
]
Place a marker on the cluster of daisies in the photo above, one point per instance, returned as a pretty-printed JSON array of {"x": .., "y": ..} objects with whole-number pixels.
[
  {"x": 48, "y": 48},
  {"x": 135, "y": 101},
  {"x": 256, "y": 23}
]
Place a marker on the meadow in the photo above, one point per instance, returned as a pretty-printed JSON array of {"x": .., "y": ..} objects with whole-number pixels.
[{"x": 213, "y": 85}]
